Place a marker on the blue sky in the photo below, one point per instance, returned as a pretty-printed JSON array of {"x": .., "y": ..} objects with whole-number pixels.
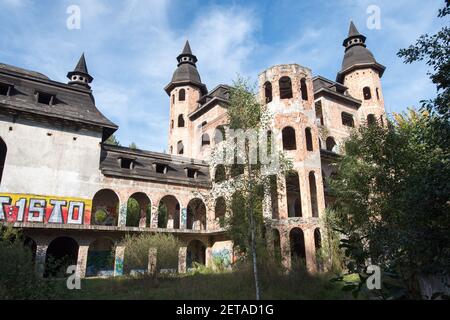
[{"x": 131, "y": 47}]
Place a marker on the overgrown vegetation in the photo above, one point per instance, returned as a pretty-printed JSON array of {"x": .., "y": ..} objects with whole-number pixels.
[
  {"x": 392, "y": 187},
  {"x": 137, "y": 249},
  {"x": 18, "y": 278}
]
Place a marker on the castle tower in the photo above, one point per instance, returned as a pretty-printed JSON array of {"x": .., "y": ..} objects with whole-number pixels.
[
  {"x": 361, "y": 73},
  {"x": 297, "y": 201},
  {"x": 184, "y": 91},
  {"x": 80, "y": 76}
]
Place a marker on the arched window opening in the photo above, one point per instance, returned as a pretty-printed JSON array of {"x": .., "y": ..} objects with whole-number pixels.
[
  {"x": 169, "y": 213},
  {"x": 294, "y": 200},
  {"x": 100, "y": 260},
  {"x": 196, "y": 254},
  {"x": 3, "y": 151},
  {"x": 304, "y": 89},
  {"x": 319, "y": 113},
  {"x": 219, "y": 211},
  {"x": 313, "y": 193},
  {"x": 219, "y": 134},
  {"x": 182, "y": 95},
  {"x": 309, "y": 141},
  {"x": 180, "y": 147},
  {"x": 371, "y": 120},
  {"x": 268, "y": 91},
  {"x": 274, "y": 196},
  {"x": 180, "y": 121},
  {"x": 331, "y": 144},
  {"x": 196, "y": 215},
  {"x": 205, "y": 140},
  {"x": 366, "y": 93},
  {"x": 289, "y": 140},
  {"x": 105, "y": 208},
  {"x": 171, "y": 124},
  {"x": 298, "y": 252},
  {"x": 378, "y": 93},
  {"x": 61, "y": 253},
  {"x": 138, "y": 210},
  {"x": 347, "y": 119},
  {"x": 285, "y": 88},
  {"x": 317, "y": 239},
  {"x": 220, "y": 174}
]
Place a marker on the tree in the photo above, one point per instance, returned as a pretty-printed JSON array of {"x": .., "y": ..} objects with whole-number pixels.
[
  {"x": 435, "y": 50},
  {"x": 392, "y": 202},
  {"x": 245, "y": 136},
  {"x": 112, "y": 140},
  {"x": 133, "y": 145}
]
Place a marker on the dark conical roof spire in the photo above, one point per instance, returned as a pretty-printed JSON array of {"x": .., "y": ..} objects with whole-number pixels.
[
  {"x": 187, "y": 48},
  {"x": 81, "y": 65},
  {"x": 80, "y": 75},
  {"x": 352, "y": 31}
]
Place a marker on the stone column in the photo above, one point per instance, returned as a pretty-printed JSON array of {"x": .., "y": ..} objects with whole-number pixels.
[
  {"x": 118, "y": 262},
  {"x": 154, "y": 217},
  {"x": 310, "y": 250},
  {"x": 152, "y": 258},
  {"x": 305, "y": 193},
  {"x": 122, "y": 215},
  {"x": 83, "y": 250},
  {"x": 320, "y": 192},
  {"x": 41, "y": 251},
  {"x": 183, "y": 218},
  {"x": 182, "y": 254},
  {"x": 282, "y": 199},
  {"x": 267, "y": 201},
  {"x": 208, "y": 257},
  {"x": 285, "y": 247}
]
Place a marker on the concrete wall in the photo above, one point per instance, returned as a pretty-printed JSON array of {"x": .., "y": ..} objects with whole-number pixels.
[{"x": 48, "y": 160}]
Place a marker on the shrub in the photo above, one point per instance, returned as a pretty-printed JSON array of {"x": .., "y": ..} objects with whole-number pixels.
[
  {"x": 137, "y": 247},
  {"x": 18, "y": 278}
]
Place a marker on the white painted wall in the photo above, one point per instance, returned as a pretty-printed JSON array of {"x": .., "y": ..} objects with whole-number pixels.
[{"x": 54, "y": 165}]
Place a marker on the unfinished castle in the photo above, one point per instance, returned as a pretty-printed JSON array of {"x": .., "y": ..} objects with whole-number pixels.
[{"x": 68, "y": 190}]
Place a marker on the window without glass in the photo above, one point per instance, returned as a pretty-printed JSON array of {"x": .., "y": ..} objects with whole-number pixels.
[{"x": 285, "y": 88}]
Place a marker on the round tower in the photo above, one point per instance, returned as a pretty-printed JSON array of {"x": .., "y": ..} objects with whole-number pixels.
[
  {"x": 184, "y": 90},
  {"x": 298, "y": 202},
  {"x": 361, "y": 73}
]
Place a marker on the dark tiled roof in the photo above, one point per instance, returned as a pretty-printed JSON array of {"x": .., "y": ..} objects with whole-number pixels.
[
  {"x": 33, "y": 74},
  {"x": 186, "y": 72},
  {"x": 70, "y": 103},
  {"x": 324, "y": 86},
  {"x": 145, "y": 162},
  {"x": 219, "y": 95}
]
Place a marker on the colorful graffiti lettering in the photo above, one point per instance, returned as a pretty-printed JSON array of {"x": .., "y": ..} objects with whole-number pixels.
[
  {"x": 222, "y": 257},
  {"x": 44, "y": 209}
]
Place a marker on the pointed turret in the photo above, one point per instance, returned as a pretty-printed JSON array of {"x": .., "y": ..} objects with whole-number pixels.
[
  {"x": 186, "y": 73},
  {"x": 80, "y": 75},
  {"x": 356, "y": 54}
]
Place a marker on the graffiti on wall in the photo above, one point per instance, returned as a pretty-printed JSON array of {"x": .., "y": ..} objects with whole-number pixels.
[
  {"x": 44, "y": 209},
  {"x": 222, "y": 257}
]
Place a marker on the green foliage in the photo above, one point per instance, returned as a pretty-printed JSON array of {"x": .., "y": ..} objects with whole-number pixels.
[
  {"x": 133, "y": 213},
  {"x": 137, "y": 248},
  {"x": 163, "y": 215},
  {"x": 112, "y": 140},
  {"x": 133, "y": 146},
  {"x": 392, "y": 198},
  {"x": 18, "y": 278},
  {"x": 100, "y": 216},
  {"x": 435, "y": 49}
]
